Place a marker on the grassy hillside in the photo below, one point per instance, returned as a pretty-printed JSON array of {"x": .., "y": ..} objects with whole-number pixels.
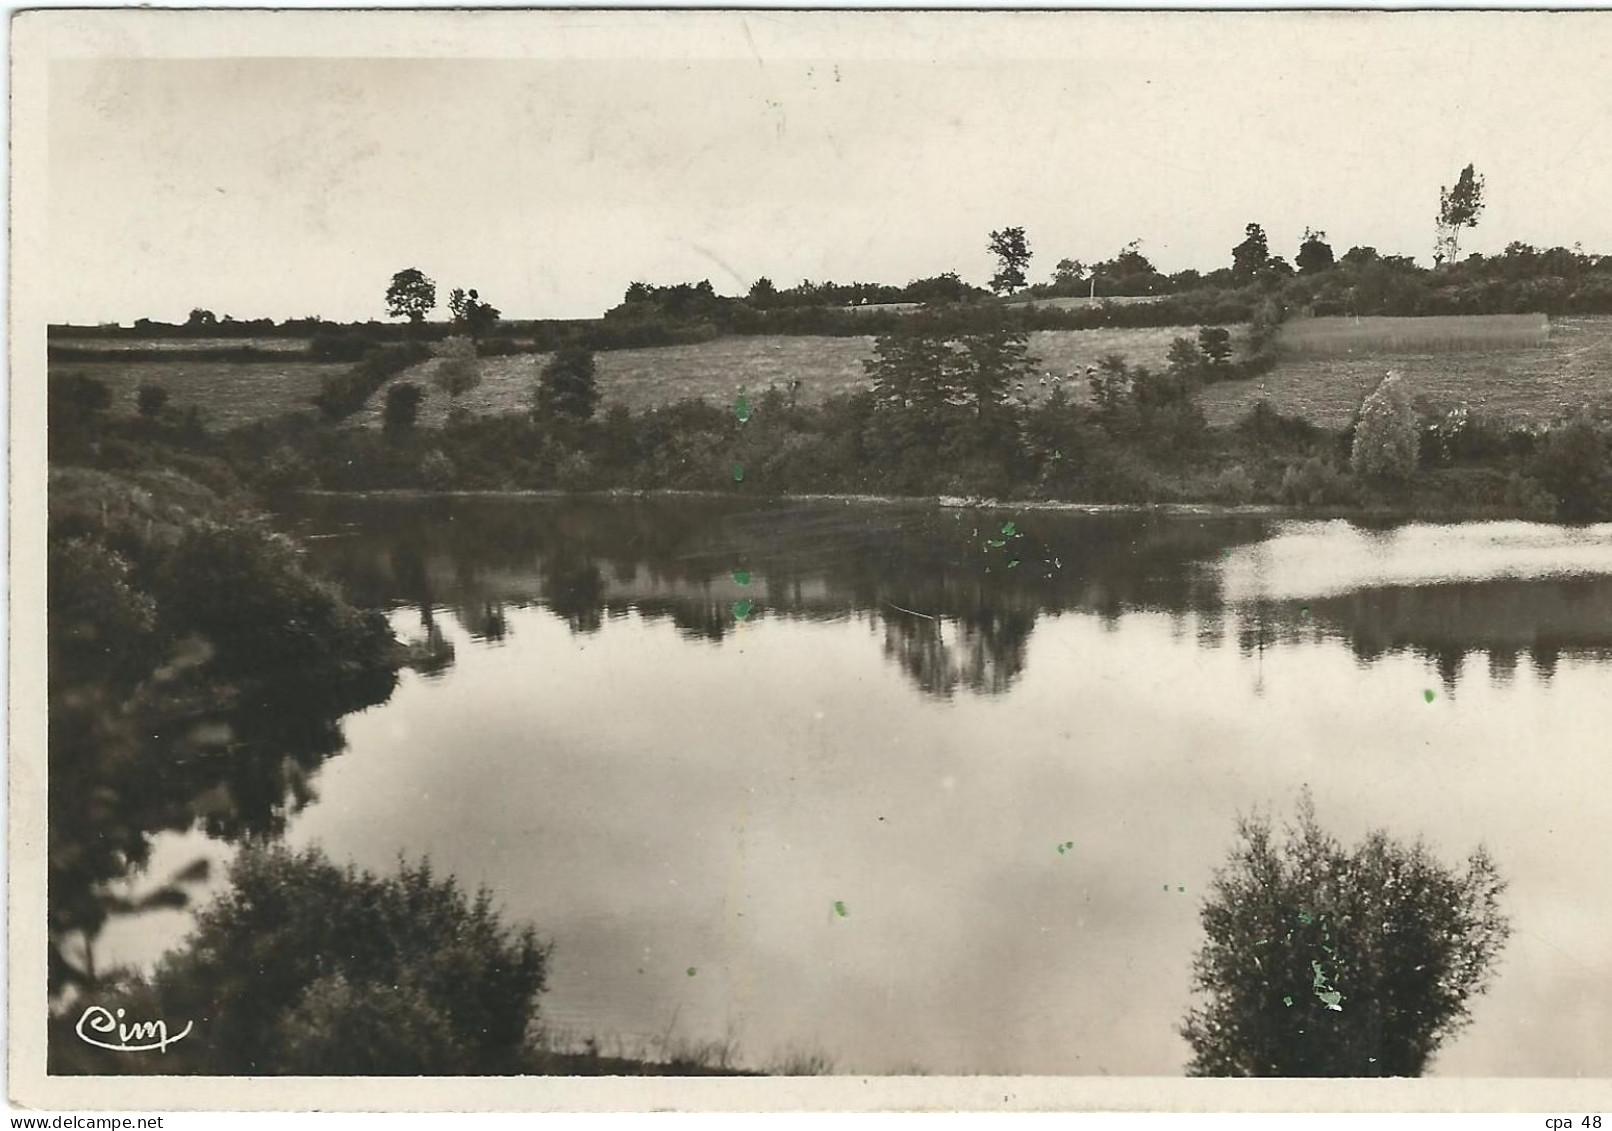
[
  {"x": 1516, "y": 385},
  {"x": 229, "y": 393},
  {"x": 1514, "y": 382},
  {"x": 114, "y": 345},
  {"x": 716, "y": 370}
]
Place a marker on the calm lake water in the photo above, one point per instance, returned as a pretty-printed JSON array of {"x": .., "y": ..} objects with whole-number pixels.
[{"x": 796, "y": 776}]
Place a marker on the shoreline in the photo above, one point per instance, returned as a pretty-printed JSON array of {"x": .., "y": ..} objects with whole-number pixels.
[{"x": 953, "y": 502}]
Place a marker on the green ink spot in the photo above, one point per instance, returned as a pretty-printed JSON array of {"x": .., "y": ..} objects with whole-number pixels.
[
  {"x": 1008, "y": 528},
  {"x": 1166, "y": 887},
  {"x": 1057, "y": 454},
  {"x": 742, "y": 576},
  {"x": 1013, "y": 563},
  {"x": 738, "y": 473},
  {"x": 1329, "y": 997},
  {"x": 742, "y": 607},
  {"x": 1181, "y": 888},
  {"x": 1066, "y": 846},
  {"x": 1429, "y": 695},
  {"x": 741, "y": 408},
  {"x": 1287, "y": 1001},
  {"x": 995, "y": 543},
  {"x": 839, "y": 909},
  {"x": 692, "y": 971},
  {"x": 1306, "y": 918}
]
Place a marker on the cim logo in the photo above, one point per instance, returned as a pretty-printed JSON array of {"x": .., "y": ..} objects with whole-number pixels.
[{"x": 139, "y": 1036}]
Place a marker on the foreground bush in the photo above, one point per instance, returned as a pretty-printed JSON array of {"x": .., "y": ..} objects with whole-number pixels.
[
  {"x": 302, "y": 967},
  {"x": 197, "y": 673},
  {"x": 1326, "y": 961}
]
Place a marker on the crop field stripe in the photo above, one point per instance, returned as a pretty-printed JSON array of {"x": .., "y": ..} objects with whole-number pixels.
[{"x": 1434, "y": 334}]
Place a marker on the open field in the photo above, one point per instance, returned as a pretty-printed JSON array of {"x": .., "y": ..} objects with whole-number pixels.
[
  {"x": 646, "y": 378},
  {"x": 1517, "y": 386},
  {"x": 881, "y": 308},
  {"x": 229, "y": 394},
  {"x": 1456, "y": 333},
  {"x": 118, "y": 345},
  {"x": 1080, "y": 302},
  {"x": 716, "y": 370}
]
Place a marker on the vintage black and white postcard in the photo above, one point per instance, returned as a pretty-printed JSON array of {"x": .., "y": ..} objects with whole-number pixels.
[{"x": 770, "y": 559}]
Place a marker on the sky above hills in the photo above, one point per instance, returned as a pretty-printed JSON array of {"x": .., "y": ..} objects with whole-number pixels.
[{"x": 578, "y": 156}]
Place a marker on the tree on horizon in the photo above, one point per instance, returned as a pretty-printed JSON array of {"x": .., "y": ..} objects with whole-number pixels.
[
  {"x": 1012, "y": 252},
  {"x": 1251, "y": 256},
  {"x": 411, "y": 295},
  {"x": 1315, "y": 254},
  {"x": 471, "y": 314},
  {"x": 1458, "y": 208}
]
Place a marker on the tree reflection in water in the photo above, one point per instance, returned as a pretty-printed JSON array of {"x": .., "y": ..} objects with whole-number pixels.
[
  {"x": 981, "y": 655},
  {"x": 957, "y": 598}
]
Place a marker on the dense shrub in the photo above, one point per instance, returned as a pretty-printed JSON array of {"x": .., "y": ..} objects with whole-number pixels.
[
  {"x": 151, "y": 398},
  {"x": 1314, "y": 482},
  {"x": 1386, "y": 438},
  {"x": 75, "y": 409},
  {"x": 76, "y": 400},
  {"x": 458, "y": 370},
  {"x": 567, "y": 389},
  {"x": 1233, "y": 486},
  {"x": 341, "y": 396},
  {"x": 437, "y": 470},
  {"x": 1265, "y": 426},
  {"x": 245, "y": 590},
  {"x": 190, "y": 655},
  {"x": 1214, "y": 342},
  {"x": 381, "y": 362},
  {"x": 1575, "y": 468},
  {"x": 1263, "y": 328},
  {"x": 499, "y": 347},
  {"x": 644, "y": 331},
  {"x": 99, "y": 616},
  {"x": 1322, "y": 960},
  {"x": 402, "y": 406},
  {"x": 1481, "y": 491},
  {"x": 339, "y": 346},
  {"x": 347, "y": 973}
]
